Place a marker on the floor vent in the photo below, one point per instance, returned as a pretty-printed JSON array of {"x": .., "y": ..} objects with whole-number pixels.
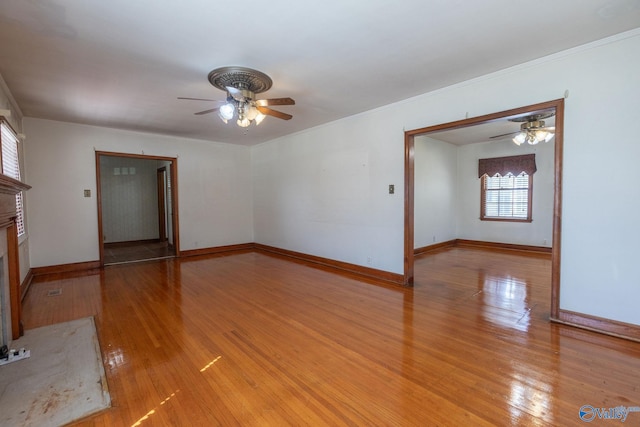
[{"x": 54, "y": 292}]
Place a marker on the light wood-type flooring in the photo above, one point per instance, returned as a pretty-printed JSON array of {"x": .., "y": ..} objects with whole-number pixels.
[{"x": 250, "y": 339}]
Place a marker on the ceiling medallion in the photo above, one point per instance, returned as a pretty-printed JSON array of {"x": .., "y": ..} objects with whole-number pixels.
[{"x": 240, "y": 78}]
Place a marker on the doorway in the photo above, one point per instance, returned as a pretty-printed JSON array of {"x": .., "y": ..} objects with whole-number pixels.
[
  {"x": 137, "y": 207},
  {"x": 558, "y": 107}
]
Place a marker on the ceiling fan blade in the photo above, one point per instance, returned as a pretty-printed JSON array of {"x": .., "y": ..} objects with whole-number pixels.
[
  {"x": 504, "y": 134},
  {"x": 275, "y": 101},
  {"x": 546, "y": 129},
  {"x": 199, "y": 99},
  {"x": 199, "y": 113},
  {"x": 274, "y": 113}
]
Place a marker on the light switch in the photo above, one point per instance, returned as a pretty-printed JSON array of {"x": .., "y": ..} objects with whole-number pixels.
[
  {"x": 392, "y": 188},
  {"x": 87, "y": 193}
]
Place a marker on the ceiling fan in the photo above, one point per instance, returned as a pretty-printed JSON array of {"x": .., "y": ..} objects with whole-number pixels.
[
  {"x": 533, "y": 129},
  {"x": 241, "y": 85}
]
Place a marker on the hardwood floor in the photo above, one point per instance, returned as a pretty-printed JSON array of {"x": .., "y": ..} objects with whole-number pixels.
[{"x": 253, "y": 339}]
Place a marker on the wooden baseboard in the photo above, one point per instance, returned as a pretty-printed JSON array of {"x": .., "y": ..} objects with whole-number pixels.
[
  {"x": 130, "y": 243},
  {"x": 24, "y": 286},
  {"x": 598, "y": 324},
  {"x": 436, "y": 246},
  {"x": 502, "y": 246},
  {"x": 483, "y": 245},
  {"x": 217, "y": 250},
  {"x": 65, "y": 268},
  {"x": 340, "y": 266},
  {"x": 583, "y": 321}
]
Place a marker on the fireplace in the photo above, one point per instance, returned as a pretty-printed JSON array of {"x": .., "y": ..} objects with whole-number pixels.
[
  {"x": 5, "y": 301},
  {"x": 10, "y": 305}
]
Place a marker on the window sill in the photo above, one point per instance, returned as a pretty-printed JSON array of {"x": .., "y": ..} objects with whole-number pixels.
[{"x": 507, "y": 219}]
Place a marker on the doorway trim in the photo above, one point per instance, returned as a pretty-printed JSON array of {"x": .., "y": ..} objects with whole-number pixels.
[
  {"x": 161, "y": 176},
  {"x": 173, "y": 168},
  {"x": 409, "y": 187}
]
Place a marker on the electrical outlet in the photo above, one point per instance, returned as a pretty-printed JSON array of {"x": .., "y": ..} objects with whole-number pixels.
[{"x": 87, "y": 193}]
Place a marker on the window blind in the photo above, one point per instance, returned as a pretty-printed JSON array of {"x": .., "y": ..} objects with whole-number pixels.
[
  {"x": 10, "y": 165},
  {"x": 506, "y": 196},
  {"x": 11, "y": 168}
]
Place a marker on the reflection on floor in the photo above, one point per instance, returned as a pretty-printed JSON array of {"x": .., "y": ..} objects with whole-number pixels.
[
  {"x": 116, "y": 253},
  {"x": 503, "y": 288}
]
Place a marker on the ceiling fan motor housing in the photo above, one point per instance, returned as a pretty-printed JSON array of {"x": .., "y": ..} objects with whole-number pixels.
[{"x": 536, "y": 124}]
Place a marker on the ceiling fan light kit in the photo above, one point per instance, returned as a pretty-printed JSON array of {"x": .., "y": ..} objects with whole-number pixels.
[
  {"x": 533, "y": 129},
  {"x": 241, "y": 85},
  {"x": 533, "y": 132}
]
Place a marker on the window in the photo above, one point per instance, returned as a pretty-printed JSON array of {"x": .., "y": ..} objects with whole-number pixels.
[
  {"x": 506, "y": 197},
  {"x": 11, "y": 168},
  {"x": 506, "y": 188}
]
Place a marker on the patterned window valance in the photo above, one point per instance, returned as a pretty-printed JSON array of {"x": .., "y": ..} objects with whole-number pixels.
[{"x": 503, "y": 165}]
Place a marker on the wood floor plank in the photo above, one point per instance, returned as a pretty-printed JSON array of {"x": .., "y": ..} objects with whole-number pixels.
[{"x": 254, "y": 339}]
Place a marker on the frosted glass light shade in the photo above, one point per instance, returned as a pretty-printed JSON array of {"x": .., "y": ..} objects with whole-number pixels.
[
  {"x": 520, "y": 138},
  {"x": 227, "y": 111},
  {"x": 244, "y": 122}
]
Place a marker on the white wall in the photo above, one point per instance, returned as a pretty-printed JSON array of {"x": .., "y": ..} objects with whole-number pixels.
[
  {"x": 214, "y": 185},
  {"x": 324, "y": 191},
  {"x": 436, "y": 191},
  {"x": 539, "y": 232}
]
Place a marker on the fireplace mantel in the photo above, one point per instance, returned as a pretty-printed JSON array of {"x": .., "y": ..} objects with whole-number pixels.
[{"x": 9, "y": 187}]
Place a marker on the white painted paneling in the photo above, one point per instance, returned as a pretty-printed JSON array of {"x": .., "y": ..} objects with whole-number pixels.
[
  {"x": 129, "y": 199},
  {"x": 436, "y": 191},
  {"x": 214, "y": 183}
]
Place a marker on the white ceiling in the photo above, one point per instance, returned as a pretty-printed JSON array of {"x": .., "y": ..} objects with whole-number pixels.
[{"x": 123, "y": 63}]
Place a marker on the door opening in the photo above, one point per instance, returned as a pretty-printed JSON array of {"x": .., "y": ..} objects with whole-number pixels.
[
  {"x": 137, "y": 207},
  {"x": 558, "y": 107}
]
